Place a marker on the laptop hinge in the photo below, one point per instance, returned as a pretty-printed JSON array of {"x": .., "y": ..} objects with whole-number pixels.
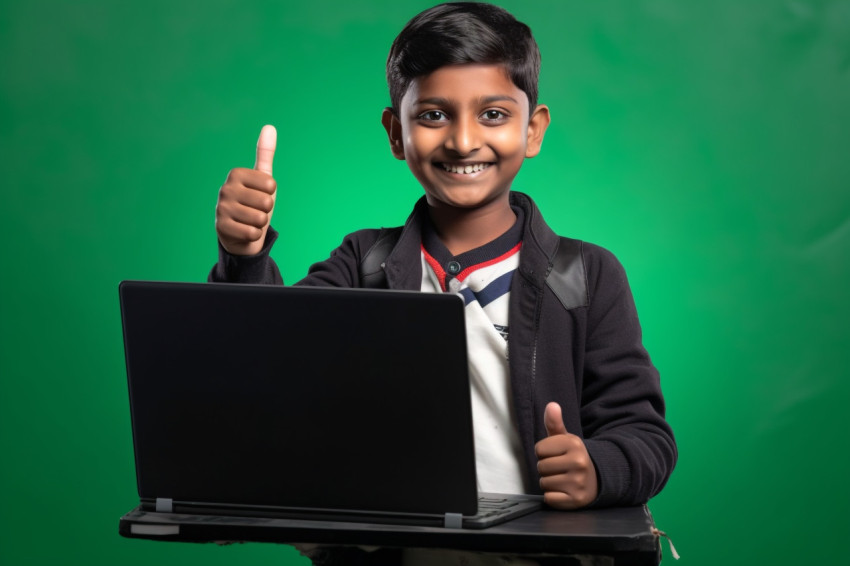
[
  {"x": 453, "y": 521},
  {"x": 164, "y": 505}
]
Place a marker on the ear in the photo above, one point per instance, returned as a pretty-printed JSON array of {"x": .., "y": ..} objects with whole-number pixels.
[
  {"x": 393, "y": 127},
  {"x": 537, "y": 129}
]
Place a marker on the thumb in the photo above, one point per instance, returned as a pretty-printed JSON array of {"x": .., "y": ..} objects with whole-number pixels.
[
  {"x": 553, "y": 420},
  {"x": 265, "y": 149}
]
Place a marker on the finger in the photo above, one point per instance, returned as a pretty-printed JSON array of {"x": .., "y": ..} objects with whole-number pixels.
[
  {"x": 257, "y": 200},
  {"x": 554, "y": 466},
  {"x": 553, "y": 420},
  {"x": 567, "y": 492},
  {"x": 247, "y": 215},
  {"x": 556, "y": 445},
  {"x": 265, "y": 149},
  {"x": 560, "y": 500},
  {"x": 231, "y": 231},
  {"x": 250, "y": 178},
  {"x": 561, "y": 482}
]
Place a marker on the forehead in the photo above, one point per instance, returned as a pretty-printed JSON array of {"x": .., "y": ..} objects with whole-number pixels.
[{"x": 465, "y": 84}]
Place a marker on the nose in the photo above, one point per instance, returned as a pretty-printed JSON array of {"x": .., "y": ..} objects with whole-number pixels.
[{"x": 464, "y": 136}]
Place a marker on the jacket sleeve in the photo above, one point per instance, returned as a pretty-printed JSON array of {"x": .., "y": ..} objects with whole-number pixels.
[
  {"x": 258, "y": 269},
  {"x": 341, "y": 269},
  {"x": 622, "y": 407}
]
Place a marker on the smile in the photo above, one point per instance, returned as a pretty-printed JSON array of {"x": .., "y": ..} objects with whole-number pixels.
[{"x": 465, "y": 168}]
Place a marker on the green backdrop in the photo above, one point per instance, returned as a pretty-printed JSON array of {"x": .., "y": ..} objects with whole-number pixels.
[{"x": 706, "y": 143}]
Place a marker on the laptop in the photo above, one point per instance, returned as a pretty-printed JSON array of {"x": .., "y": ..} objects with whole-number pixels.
[{"x": 304, "y": 403}]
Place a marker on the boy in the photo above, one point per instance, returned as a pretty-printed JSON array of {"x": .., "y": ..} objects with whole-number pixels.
[{"x": 565, "y": 399}]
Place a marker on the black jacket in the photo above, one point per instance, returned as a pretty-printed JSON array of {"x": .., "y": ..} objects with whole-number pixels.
[{"x": 574, "y": 339}]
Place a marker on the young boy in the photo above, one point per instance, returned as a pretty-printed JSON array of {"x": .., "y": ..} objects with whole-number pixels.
[{"x": 566, "y": 401}]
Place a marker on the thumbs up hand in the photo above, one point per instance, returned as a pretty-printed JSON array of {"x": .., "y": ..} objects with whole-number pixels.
[
  {"x": 567, "y": 474},
  {"x": 246, "y": 201}
]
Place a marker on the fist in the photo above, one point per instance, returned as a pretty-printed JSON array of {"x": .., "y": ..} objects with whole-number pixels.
[
  {"x": 567, "y": 474},
  {"x": 246, "y": 201}
]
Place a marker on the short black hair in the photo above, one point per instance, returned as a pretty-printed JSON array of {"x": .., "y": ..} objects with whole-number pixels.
[{"x": 456, "y": 33}]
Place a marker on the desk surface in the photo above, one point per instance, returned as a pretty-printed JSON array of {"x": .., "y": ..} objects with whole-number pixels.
[{"x": 626, "y": 534}]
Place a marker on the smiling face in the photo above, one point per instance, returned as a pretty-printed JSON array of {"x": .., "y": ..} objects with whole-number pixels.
[{"x": 464, "y": 131}]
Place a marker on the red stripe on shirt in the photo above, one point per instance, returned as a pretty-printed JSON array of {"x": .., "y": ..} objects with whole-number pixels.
[
  {"x": 465, "y": 273},
  {"x": 435, "y": 265}
]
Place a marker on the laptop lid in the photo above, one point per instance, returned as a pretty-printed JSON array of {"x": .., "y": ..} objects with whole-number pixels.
[{"x": 299, "y": 397}]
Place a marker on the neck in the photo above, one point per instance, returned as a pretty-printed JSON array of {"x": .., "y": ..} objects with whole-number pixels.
[{"x": 462, "y": 229}]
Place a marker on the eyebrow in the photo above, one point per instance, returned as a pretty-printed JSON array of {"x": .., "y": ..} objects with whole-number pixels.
[{"x": 438, "y": 101}]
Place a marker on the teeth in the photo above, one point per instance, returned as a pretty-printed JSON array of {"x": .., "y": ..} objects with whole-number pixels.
[{"x": 464, "y": 169}]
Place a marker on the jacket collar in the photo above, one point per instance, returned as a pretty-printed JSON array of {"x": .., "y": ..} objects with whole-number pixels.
[
  {"x": 404, "y": 267},
  {"x": 539, "y": 242}
]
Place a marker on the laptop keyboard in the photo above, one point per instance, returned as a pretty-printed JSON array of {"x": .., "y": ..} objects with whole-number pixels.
[{"x": 492, "y": 506}]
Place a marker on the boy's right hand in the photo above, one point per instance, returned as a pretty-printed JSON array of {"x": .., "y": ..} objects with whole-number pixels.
[
  {"x": 246, "y": 201},
  {"x": 567, "y": 473}
]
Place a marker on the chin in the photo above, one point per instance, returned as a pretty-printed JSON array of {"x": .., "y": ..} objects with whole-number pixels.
[{"x": 465, "y": 199}]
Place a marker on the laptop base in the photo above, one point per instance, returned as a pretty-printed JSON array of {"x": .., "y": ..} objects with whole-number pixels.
[{"x": 493, "y": 509}]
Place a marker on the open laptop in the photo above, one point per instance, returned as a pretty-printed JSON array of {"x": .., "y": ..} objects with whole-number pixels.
[{"x": 306, "y": 403}]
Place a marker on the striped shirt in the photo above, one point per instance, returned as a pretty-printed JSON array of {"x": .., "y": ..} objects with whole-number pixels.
[{"x": 482, "y": 276}]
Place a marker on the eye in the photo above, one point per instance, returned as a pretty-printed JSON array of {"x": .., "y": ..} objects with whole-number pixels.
[
  {"x": 433, "y": 116},
  {"x": 494, "y": 116}
]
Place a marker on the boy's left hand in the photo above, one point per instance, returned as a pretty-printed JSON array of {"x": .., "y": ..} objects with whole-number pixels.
[{"x": 567, "y": 474}]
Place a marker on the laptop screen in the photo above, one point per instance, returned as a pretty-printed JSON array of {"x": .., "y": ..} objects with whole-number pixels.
[{"x": 299, "y": 397}]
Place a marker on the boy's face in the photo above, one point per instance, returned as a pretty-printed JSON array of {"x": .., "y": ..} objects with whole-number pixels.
[{"x": 464, "y": 131}]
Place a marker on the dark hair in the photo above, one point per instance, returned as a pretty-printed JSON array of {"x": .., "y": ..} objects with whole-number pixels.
[{"x": 463, "y": 32}]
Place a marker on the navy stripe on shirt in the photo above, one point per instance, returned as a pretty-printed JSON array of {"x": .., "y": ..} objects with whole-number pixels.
[{"x": 498, "y": 287}]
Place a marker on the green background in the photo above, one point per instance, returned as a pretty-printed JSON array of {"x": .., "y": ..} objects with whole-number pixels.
[{"x": 706, "y": 143}]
